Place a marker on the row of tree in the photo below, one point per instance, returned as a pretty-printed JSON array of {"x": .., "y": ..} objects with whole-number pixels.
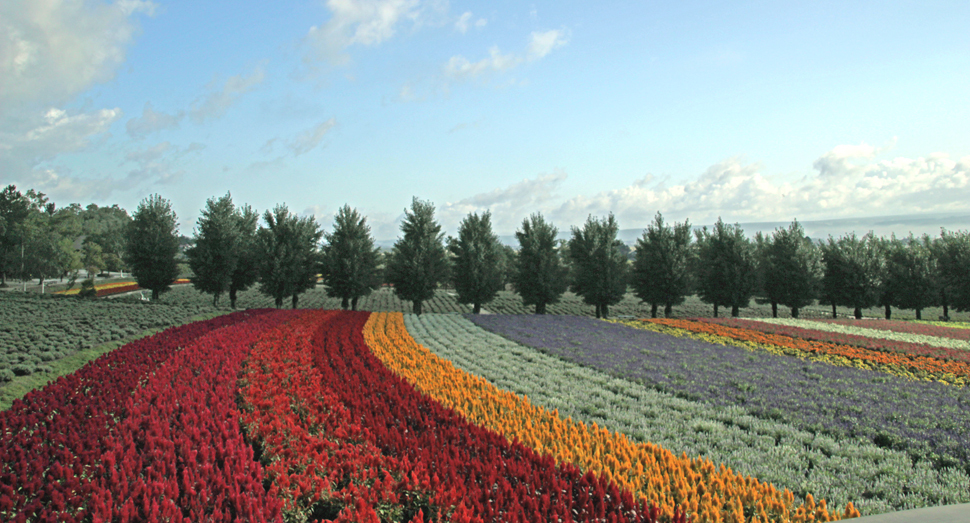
[{"x": 286, "y": 255}]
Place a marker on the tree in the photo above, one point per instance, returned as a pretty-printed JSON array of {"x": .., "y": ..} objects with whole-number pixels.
[
  {"x": 910, "y": 274},
  {"x": 287, "y": 248},
  {"x": 478, "y": 262},
  {"x": 247, "y": 261},
  {"x": 661, "y": 267},
  {"x": 153, "y": 244},
  {"x": 853, "y": 269},
  {"x": 793, "y": 270},
  {"x": 765, "y": 293},
  {"x": 418, "y": 261},
  {"x": 952, "y": 254},
  {"x": 216, "y": 252},
  {"x": 539, "y": 276},
  {"x": 350, "y": 262},
  {"x": 599, "y": 266},
  {"x": 93, "y": 258},
  {"x": 725, "y": 266},
  {"x": 14, "y": 208},
  {"x": 106, "y": 227}
]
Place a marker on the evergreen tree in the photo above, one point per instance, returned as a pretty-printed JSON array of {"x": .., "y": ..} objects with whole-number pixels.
[
  {"x": 599, "y": 266},
  {"x": 539, "y": 276},
  {"x": 662, "y": 264},
  {"x": 478, "y": 261},
  {"x": 793, "y": 272},
  {"x": 218, "y": 247},
  {"x": 153, "y": 245},
  {"x": 910, "y": 274},
  {"x": 14, "y": 208},
  {"x": 952, "y": 254},
  {"x": 725, "y": 267},
  {"x": 350, "y": 262},
  {"x": 247, "y": 256},
  {"x": 288, "y": 255},
  {"x": 765, "y": 293},
  {"x": 853, "y": 272},
  {"x": 418, "y": 262}
]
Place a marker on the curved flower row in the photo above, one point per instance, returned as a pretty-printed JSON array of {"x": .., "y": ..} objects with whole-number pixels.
[
  {"x": 52, "y": 440},
  {"x": 941, "y": 329},
  {"x": 115, "y": 287},
  {"x": 500, "y": 480},
  {"x": 179, "y": 455},
  {"x": 655, "y": 474},
  {"x": 884, "y": 333},
  {"x": 804, "y": 343},
  {"x": 322, "y": 462}
]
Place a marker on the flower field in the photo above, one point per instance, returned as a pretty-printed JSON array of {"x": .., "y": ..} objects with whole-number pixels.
[
  {"x": 115, "y": 287},
  {"x": 322, "y": 415}
]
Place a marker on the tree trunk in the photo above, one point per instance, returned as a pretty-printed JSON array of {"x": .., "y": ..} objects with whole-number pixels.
[
  {"x": 279, "y": 301},
  {"x": 232, "y": 298},
  {"x": 540, "y": 308},
  {"x": 653, "y": 310},
  {"x": 858, "y": 313},
  {"x": 668, "y": 310},
  {"x": 598, "y": 311},
  {"x": 715, "y": 310},
  {"x": 3, "y": 279},
  {"x": 477, "y": 308},
  {"x": 794, "y": 312},
  {"x": 919, "y": 314},
  {"x": 344, "y": 302},
  {"x": 606, "y": 310},
  {"x": 155, "y": 294},
  {"x": 734, "y": 311},
  {"x": 889, "y": 311},
  {"x": 215, "y": 300},
  {"x": 834, "y": 315},
  {"x": 416, "y": 307},
  {"x": 296, "y": 298},
  {"x": 353, "y": 303},
  {"x": 774, "y": 309}
]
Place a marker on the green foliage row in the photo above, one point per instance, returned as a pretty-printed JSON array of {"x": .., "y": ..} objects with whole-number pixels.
[{"x": 37, "y": 330}]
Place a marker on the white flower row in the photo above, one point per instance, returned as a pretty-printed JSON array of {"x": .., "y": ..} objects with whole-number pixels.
[
  {"x": 933, "y": 341},
  {"x": 838, "y": 471}
]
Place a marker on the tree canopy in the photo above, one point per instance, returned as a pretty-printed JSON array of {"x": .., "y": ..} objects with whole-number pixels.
[
  {"x": 661, "y": 268},
  {"x": 288, "y": 254},
  {"x": 350, "y": 263},
  {"x": 853, "y": 272},
  {"x": 153, "y": 244},
  {"x": 222, "y": 257},
  {"x": 478, "y": 261},
  {"x": 540, "y": 277},
  {"x": 725, "y": 267},
  {"x": 599, "y": 265},
  {"x": 418, "y": 262},
  {"x": 793, "y": 268}
]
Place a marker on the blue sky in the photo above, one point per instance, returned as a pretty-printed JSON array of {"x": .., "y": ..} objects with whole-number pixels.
[{"x": 752, "y": 111}]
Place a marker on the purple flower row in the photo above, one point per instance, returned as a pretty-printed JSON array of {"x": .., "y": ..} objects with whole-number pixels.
[{"x": 929, "y": 420}]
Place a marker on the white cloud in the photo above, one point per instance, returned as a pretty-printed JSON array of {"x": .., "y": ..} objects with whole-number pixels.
[
  {"x": 509, "y": 205},
  {"x": 465, "y": 19},
  {"x": 540, "y": 45},
  {"x": 51, "y": 50},
  {"x": 151, "y": 121},
  {"x": 152, "y": 153},
  {"x": 217, "y": 102},
  {"x": 312, "y": 137},
  {"x": 364, "y": 22},
  {"x": 45, "y": 135}
]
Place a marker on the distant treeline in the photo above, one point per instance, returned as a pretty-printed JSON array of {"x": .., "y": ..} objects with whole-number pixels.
[{"x": 286, "y": 255}]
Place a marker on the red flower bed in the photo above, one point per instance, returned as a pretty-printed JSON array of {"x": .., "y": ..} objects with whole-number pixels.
[
  {"x": 955, "y": 333},
  {"x": 902, "y": 347},
  {"x": 179, "y": 455},
  {"x": 500, "y": 481},
  {"x": 52, "y": 440},
  {"x": 324, "y": 464},
  {"x": 117, "y": 290}
]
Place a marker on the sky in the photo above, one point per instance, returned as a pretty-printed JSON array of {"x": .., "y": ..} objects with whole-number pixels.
[{"x": 748, "y": 111}]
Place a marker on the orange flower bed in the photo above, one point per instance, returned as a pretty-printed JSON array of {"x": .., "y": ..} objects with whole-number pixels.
[
  {"x": 906, "y": 365},
  {"x": 707, "y": 492}
]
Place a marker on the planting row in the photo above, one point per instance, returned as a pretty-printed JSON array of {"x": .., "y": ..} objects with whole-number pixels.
[
  {"x": 37, "y": 329},
  {"x": 709, "y": 492},
  {"x": 898, "y": 358},
  {"x": 52, "y": 442},
  {"x": 907, "y": 333},
  {"x": 839, "y": 471},
  {"x": 928, "y": 420}
]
